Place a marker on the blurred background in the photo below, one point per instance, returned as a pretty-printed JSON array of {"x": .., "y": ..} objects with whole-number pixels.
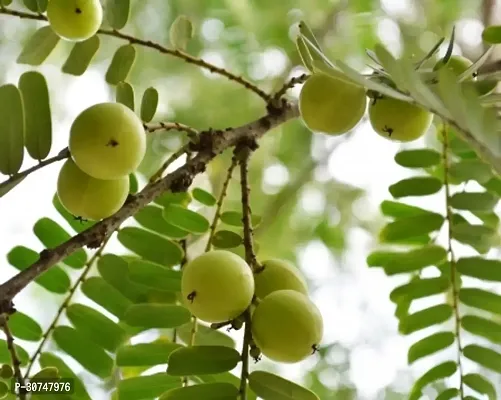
[{"x": 318, "y": 195}]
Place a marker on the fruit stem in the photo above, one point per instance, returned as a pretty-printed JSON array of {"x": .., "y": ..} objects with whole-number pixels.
[
  {"x": 245, "y": 355},
  {"x": 191, "y": 342}
]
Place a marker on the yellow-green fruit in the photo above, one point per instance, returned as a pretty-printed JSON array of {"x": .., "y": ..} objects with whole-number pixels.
[
  {"x": 217, "y": 286},
  {"x": 75, "y": 20},
  {"x": 107, "y": 141},
  {"x": 397, "y": 120},
  {"x": 287, "y": 326},
  {"x": 331, "y": 105},
  {"x": 457, "y": 65},
  {"x": 88, "y": 197},
  {"x": 278, "y": 275}
]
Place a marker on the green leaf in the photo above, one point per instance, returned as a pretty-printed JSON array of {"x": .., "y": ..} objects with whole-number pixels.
[
  {"x": 418, "y": 288},
  {"x": 37, "y": 116},
  {"x": 396, "y": 209},
  {"x": 273, "y": 387},
  {"x": 417, "y": 186},
  {"x": 411, "y": 227},
  {"x": 226, "y": 239},
  {"x": 205, "y": 336},
  {"x": 133, "y": 183},
  {"x": 51, "y": 234},
  {"x": 38, "y": 47},
  {"x": 77, "y": 225},
  {"x": 227, "y": 377},
  {"x": 121, "y": 64},
  {"x": 304, "y": 53},
  {"x": 81, "y": 56},
  {"x": 206, "y": 391},
  {"x": 204, "y": 197},
  {"x": 492, "y": 34},
  {"x": 478, "y": 267},
  {"x": 417, "y": 158},
  {"x": 234, "y": 218},
  {"x": 147, "y": 386},
  {"x": 466, "y": 170},
  {"x": 425, "y": 318},
  {"x": 125, "y": 94},
  {"x": 88, "y": 354},
  {"x": 482, "y": 327},
  {"x": 440, "y": 371},
  {"x": 480, "y": 201},
  {"x": 151, "y": 218},
  {"x": 12, "y": 129},
  {"x": 487, "y": 358},
  {"x": 145, "y": 354},
  {"x": 5, "y": 357},
  {"x": 151, "y": 246},
  {"x": 157, "y": 315},
  {"x": 117, "y": 13},
  {"x": 481, "y": 385},
  {"x": 149, "y": 104},
  {"x": 415, "y": 259},
  {"x": 185, "y": 219},
  {"x": 24, "y": 327},
  {"x": 200, "y": 360},
  {"x": 480, "y": 237},
  {"x": 54, "y": 280},
  {"x": 481, "y": 299},
  {"x": 7, "y": 187},
  {"x": 429, "y": 345},
  {"x": 51, "y": 360},
  {"x": 102, "y": 293},
  {"x": 180, "y": 33},
  {"x": 31, "y": 5},
  {"x": 448, "y": 394},
  {"x": 155, "y": 276},
  {"x": 100, "y": 329}
]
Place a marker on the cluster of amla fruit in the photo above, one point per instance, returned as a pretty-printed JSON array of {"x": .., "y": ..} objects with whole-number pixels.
[
  {"x": 335, "y": 106},
  {"x": 219, "y": 286}
]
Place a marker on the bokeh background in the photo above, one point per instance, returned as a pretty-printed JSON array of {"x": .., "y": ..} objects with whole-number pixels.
[{"x": 318, "y": 195}]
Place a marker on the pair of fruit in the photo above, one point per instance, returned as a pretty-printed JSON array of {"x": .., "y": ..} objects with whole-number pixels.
[
  {"x": 334, "y": 106},
  {"x": 107, "y": 143},
  {"x": 218, "y": 286}
]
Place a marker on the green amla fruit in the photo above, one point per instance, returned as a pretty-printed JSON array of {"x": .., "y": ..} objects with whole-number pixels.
[
  {"x": 331, "y": 105},
  {"x": 286, "y": 326},
  {"x": 398, "y": 120},
  {"x": 217, "y": 286},
  {"x": 276, "y": 275},
  {"x": 456, "y": 64}
]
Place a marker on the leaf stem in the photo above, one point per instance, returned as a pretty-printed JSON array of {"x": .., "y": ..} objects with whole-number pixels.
[{"x": 16, "y": 363}]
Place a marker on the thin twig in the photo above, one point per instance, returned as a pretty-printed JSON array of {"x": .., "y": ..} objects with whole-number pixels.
[
  {"x": 172, "y": 126},
  {"x": 158, "y": 174},
  {"x": 156, "y": 46},
  {"x": 289, "y": 85},
  {"x": 16, "y": 363}
]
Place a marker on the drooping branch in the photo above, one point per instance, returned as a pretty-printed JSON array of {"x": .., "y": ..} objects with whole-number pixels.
[{"x": 210, "y": 145}]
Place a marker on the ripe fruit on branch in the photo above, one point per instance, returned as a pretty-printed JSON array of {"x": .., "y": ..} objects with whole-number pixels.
[
  {"x": 331, "y": 105},
  {"x": 75, "y": 20},
  {"x": 398, "y": 120},
  {"x": 456, "y": 64},
  {"x": 107, "y": 141},
  {"x": 278, "y": 275},
  {"x": 217, "y": 286},
  {"x": 88, "y": 197},
  {"x": 286, "y": 326}
]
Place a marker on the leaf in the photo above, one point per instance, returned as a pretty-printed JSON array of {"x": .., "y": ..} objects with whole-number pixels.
[
  {"x": 186, "y": 219},
  {"x": 304, "y": 53},
  {"x": 466, "y": 170},
  {"x": 149, "y": 104},
  {"x": 125, "y": 94},
  {"x": 226, "y": 239},
  {"x": 480, "y": 237},
  {"x": 7, "y": 187},
  {"x": 234, "y": 218},
  {"x": 481, "y": 299},
  {"x": 151, "y": 246},
  {"x": 145, "y": 387},
  {"x": 12, "y": 129},
  {"x": 38, "y": 47},
  {"x": 448, "y": 394},
  {"x": 77, "y": 225},
  {"x": 418, "y": 288},
  {"x": 479, "y": 201},
  {"x": 180, "y": 33},
  {"x": 492, "y": 34},
  {"x": 200, "y": 360},
  {"x": 206, "y": 391},
  {"x": 417, "y": 186},
  {"x": 31, "y": 5},
  {"x": 425, "y": 318},
  {"x": 204, "y": 197},
  {"x": 482, "y": 327},
  {"x": 396, "y": 209},
  {"x": 157, "y": 315},
  {"x": 411, "y": 227},
  {"x": 117, "y": 13},
  {"x": 480, "y": 384},
  {"x": 5, "y": 357},
  {"x": 54, "y": 280},
  {"x": 81, "y": 56},
  {"x": 440, "y": 371},
  {"x": 273, "y": 387},
  {"x": 487, "y": 358},
  {"x": 168, "y": 198},
  {"x": 133, "y": 183},
  {"x": 429, "y": 345},
  {"x": 478, "y": 267},
  {"x": 24, "y": 327},
  {"x": 155, "y": 276},
  {"x": 145, "y": 354},
  {"x": 102, "y": 293},
  {"x": 417, "y": 158},
  {"x": 151, "y": 218},
  {"x": 100, "y": 329},
  {"x": 121, "y": 64},
  {"x": 37, "y": 116},
  {"x": 205, "y": 336},
  {"x": 415, "y": 259},
  {"x": 51, "y": 234},
  {"x": 226, "y": 377}
]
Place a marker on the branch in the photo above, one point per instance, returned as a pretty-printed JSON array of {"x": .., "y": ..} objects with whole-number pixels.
[
  {"x": 4, "y": 318},
  {"x": 156, "y": 46},
  {"x": 172, "y": 126},
  {"x": 211, "y": 144}
]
